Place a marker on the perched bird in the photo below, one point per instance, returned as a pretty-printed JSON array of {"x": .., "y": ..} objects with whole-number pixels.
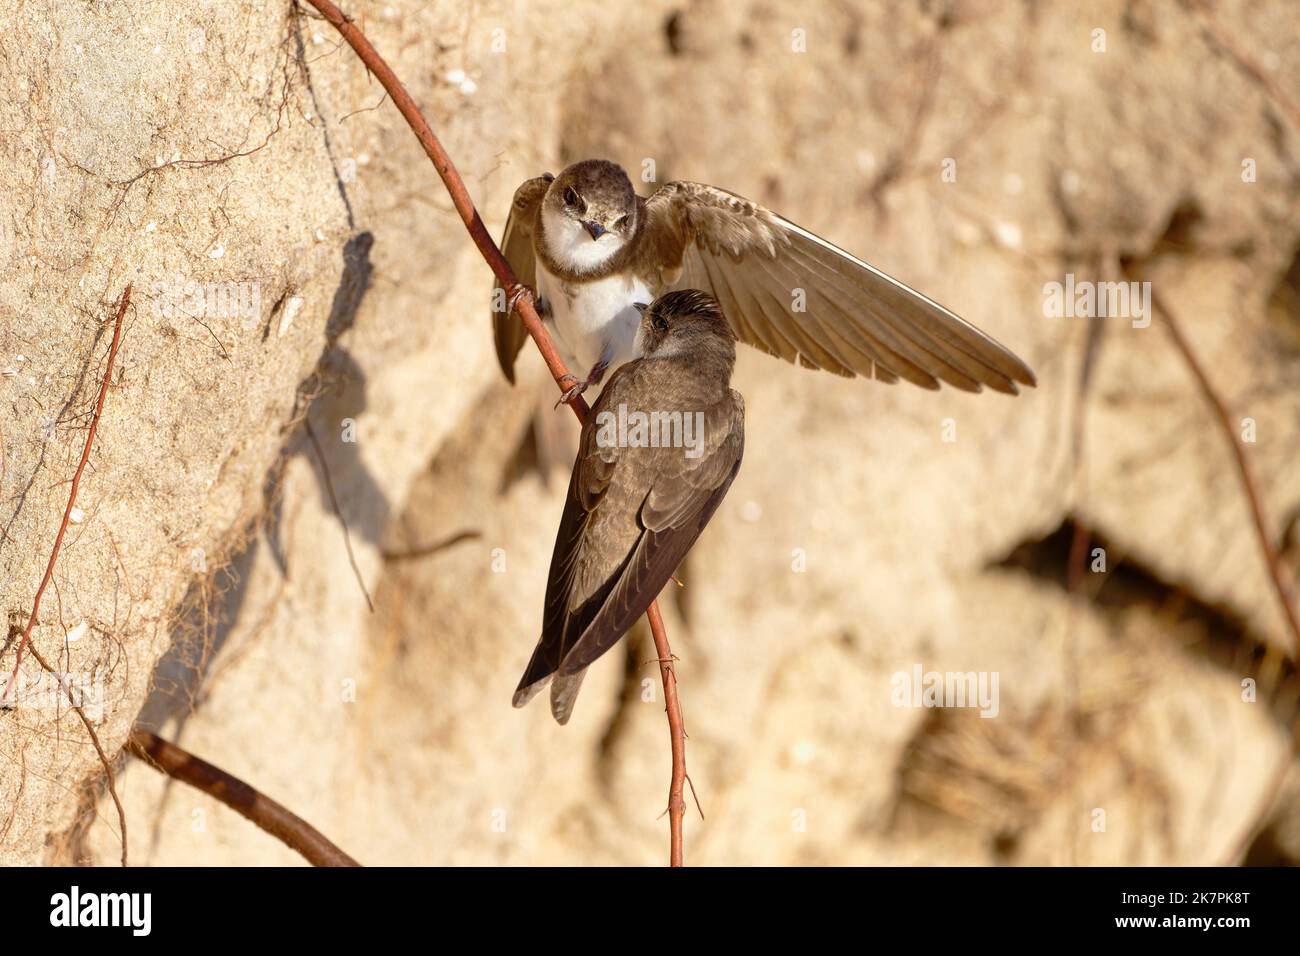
[
  {"x": 590, "y": 248},
  {"x": 656, "y": 456}
]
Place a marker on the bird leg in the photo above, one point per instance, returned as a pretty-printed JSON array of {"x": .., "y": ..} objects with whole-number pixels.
[{"x": 581, "y": 385}]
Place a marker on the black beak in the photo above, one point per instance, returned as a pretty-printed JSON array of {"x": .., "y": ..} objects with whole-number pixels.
[
  {"x": 595, "y": 228},
  {"x": 641, "y": 307}
]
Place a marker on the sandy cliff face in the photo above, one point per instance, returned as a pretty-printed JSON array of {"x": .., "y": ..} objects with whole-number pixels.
[{"x": 978, "y": 153}]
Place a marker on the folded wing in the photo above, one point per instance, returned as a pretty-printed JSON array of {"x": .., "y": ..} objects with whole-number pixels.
[
  {"x": 683, "y": 497},
  {"x": 630, "y": 517}
]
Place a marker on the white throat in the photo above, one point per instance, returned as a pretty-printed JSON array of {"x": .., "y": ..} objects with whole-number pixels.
[{"x": 572, "y": 247}]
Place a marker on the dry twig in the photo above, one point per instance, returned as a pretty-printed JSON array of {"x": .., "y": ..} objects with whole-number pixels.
[
  {"x": 347, "y": 535},
  {"x": 1267, "y": 549},
  {"x": 524, "y": 306},
  {"x": 54, "y": 556},
  {"x": 1276, "y": 575},
  {"x": 286, "y": 826}
]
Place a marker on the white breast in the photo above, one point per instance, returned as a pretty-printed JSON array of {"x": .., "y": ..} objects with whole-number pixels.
[{"x": 593, "y": 321}]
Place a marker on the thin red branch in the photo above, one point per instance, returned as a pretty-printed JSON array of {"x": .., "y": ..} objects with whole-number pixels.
[
  {"x": 456, "y": 188},
  {"x": 286, "y": 826},
  {"x": 54, "y": 557},
  {"x": 676, "y": 732},
  {"x": 1271, "y": 559},
  {"x": 1276, "y": 575},
  {"x": 72, "y": 495},
  {"x": 523, "y": 305}
]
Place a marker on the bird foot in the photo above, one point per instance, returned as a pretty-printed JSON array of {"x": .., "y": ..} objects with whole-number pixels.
[
  {"x": 573, "y": 391},
  {"x": 521, "y": 292},
  {"x": 581, "y": 385}
]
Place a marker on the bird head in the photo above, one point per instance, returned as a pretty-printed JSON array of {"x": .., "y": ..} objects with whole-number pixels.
[
  {"x": 687, "y": 321},
  {"x": 590, "y": 211}
]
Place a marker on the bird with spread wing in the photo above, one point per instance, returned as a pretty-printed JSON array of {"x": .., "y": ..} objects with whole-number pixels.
[{"x": 590, "y": 249}]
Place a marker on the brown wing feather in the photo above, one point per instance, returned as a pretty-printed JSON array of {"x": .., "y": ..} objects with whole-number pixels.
[
  {"x": 571, "y": 583},
  {"x": 508, "y": 329},
  {"x": 588, "y": 486},
  {"x": 857, "y": 320}
]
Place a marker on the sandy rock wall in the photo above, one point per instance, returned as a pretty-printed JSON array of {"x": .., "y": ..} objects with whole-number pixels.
[{"x": 202, "y": 146}]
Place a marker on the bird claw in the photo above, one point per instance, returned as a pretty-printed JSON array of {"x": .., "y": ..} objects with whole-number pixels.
[
  {"x": 520, "y": 292},
  {"x": 573, "y": 391},
  {"x": 579, "y": 386}
]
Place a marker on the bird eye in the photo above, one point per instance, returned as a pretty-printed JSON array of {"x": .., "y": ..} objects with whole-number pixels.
[
  {"x": 620, "y": 222},
  {"x": 660, "y": 323},
  {"x": 570, "y": 197}
]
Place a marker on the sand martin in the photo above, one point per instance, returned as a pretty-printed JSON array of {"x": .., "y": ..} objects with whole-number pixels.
[
  {"x": 656, "y": 456},
  {"x": 591, "y": 248}
]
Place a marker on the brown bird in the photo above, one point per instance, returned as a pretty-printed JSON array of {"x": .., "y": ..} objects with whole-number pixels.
[
  {"x": 656, "y": 456},
  {"x": 590, "y": 247}
]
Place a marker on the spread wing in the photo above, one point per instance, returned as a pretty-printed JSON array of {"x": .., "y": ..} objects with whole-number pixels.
[
  {"x": 630, "y": 517},
  {"x": 855, "y": 320},
  {"x": 517, "y": 246}
]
